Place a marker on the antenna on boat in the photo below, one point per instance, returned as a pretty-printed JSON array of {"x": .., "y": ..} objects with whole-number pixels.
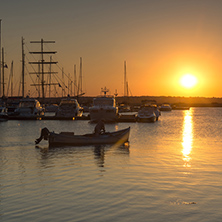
[
  {"x": 116, "y": 93},
  {"x": 104, "y": 90}
]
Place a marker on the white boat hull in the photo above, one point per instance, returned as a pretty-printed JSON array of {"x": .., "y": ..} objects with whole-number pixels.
[
  {"x": 107, "y": 114},
  {"x": 149, "y": 118}
]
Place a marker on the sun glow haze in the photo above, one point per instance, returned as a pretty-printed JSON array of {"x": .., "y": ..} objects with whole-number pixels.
[{"x": 188, "y": 81}]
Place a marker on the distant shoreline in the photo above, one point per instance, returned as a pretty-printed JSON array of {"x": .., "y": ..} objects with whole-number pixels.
[
  {"x": 177, "y": 101},
  {"x": 138, "y": 100}
]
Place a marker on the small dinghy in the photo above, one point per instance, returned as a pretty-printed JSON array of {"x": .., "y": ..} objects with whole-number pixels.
[{"x": 69, "y": 139}]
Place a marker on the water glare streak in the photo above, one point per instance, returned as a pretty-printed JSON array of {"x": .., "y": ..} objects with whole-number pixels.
[{"x": 187, "y": 138}]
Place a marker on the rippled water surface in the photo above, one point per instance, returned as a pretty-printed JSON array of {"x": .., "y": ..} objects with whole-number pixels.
[{"x": 171, "y": 171}]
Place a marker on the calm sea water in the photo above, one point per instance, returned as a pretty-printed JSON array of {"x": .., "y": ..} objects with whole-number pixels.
[{"x": 171, "y": 171}]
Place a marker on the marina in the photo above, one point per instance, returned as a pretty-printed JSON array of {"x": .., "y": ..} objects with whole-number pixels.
[
  {"x": 172, "y": 167},
  {"x": 110, "y": 111}
]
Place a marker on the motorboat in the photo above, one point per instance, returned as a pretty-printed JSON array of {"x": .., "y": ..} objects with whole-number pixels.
[
  {"x": 124, "y": 108},
  {"x": 69, "y": 139},
  {"x": 12, "y": 104},
  {"x": 104, "y": 107},
  {"x": 165, "y": 107},
  {"x": 146, "y": 114},
  {"x": 69, "y": 108},
  {"x": 51, "y": 108},
  {"x": 3, "y": 114},
  {"x": 29, "y": 107},
  {"x": 156, "y": 111},
  {"x": 180, "y": 107}
]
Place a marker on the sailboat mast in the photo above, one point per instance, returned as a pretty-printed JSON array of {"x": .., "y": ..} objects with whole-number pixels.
[
  {"x": 0, "y": 58},
  {"x": 42, "y": 62},
  {"x": 23, "y": 69},
  {"x": 80, "y": 78},
  {"x": 50, "y": 75},
  {"x": 63, "y": 80},
  {"x": 12, "y": 78},
  {"x": 39, "y": 79},
  {"x": 3, "y": 76},
  {"x": 125, "y": 84},
  {"x": 43, "y": 93},
  {"x": 75, "y": 84}
]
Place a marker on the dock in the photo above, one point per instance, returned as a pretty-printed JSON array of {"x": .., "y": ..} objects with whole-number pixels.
[{"x": 121, "y": 118}]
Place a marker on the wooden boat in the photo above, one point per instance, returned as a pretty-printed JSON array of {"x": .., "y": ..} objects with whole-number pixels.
[{"x": 69, "y": 139}]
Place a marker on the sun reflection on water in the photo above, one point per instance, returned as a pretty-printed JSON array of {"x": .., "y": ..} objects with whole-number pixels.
[{"x": 187, "y": 138}]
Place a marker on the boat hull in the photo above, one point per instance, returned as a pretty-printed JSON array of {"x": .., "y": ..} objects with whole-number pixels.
[
  {"x": 149, "y": 119},
  {"x": 107, "y": 114},
  {"x": 66, "y": 139},
  {"x": 165, "y": 107},
  {"x": 3, "y": 118}
]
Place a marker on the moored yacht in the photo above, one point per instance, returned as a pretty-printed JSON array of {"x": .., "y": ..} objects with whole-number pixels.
[
  {"x": 69, "y": 108},
  {"x": 29, "y": 107},
  {"x": 104, "y": 107},
  {"x": 146, "y": 114},
  {"x": 165, "y": 107},
  {"x": 156, "y": 111}
]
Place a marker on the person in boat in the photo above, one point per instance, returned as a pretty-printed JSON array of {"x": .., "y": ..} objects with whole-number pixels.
[{"x": 99, "y": 128}]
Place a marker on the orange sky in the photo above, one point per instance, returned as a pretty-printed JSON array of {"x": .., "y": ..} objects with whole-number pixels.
[{"x": 160, "y": 41}]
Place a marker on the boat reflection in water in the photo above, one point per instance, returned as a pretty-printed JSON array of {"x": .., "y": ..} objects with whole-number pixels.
[
  {"x": 187, "y": 137},
  {"x": 99, "y": 151}
]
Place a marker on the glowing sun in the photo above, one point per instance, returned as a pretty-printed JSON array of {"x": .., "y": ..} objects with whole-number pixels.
[{"x": 188, "y": 81}]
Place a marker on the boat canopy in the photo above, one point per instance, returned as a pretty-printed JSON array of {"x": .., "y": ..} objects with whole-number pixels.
[
  {"x": 29, "y": 103},
  {"x": 104, "y": 101},
  {"x": 68, "y": 101}
]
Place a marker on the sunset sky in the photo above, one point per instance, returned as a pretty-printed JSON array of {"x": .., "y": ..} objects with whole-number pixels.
[{"x": 160, "y": 41}]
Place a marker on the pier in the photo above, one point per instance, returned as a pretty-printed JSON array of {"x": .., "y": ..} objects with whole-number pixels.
[{"x": 121, "y": 118}]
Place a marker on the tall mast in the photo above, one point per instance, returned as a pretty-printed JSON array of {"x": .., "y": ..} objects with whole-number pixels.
[
  {"x": 23, "y": 69},
  {"x": 3, "y": 76},
  {"x": 43, "y": 93},
  {"x": 39, "y": 80},
  {"x": 63, "y": 80},
  {"x": 69, "y": 83},
  {"x": 12, "y": 78},
  {"x": 125, "y": 81},
  {"x": 43, "y": 62},
  {"x": 50, "y": 75},
  {"x": 80, "y": 78},
  {"x": 75, "y": 84},
  {"x": 0, "y": 57}
]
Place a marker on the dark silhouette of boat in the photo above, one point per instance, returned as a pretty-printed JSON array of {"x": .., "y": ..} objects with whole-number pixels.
[{"x": 69, "y": 139}]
